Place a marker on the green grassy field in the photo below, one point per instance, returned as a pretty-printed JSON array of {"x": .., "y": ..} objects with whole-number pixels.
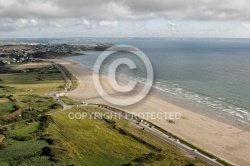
[
  {"x": 6, "y": 106},
  {"x": 23, "y": 129},
  {"x": 98, "y": 142},
  {"x": 28, "y": 88},
  {"x": 28, "y": 152},
  {"x": 88, "y": 142},
  {"x": 17, "y": 151},
  {"x": 24, "y": 99},
  {"x": 23, "y": 153},
  {"x": 33, "y": 81},
  {"x": 70, "y": 101},
  {"x": 37, "y": 102}
]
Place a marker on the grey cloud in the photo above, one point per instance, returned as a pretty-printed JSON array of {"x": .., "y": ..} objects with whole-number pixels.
[
  {"x": 127, "y": 9},
  {"x": 193, "y": 9},
  {"x": 16, "y": 14}
]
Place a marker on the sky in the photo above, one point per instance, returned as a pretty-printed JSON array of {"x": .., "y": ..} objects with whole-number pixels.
[{"x": 124, "y": 18}]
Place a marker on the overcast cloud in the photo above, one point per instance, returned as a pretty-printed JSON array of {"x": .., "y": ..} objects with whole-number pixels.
[
  {"x": 127, "y": 9},
  {"x": 99, "y": 14}
]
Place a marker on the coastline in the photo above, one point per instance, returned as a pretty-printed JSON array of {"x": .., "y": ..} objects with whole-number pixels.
[
  {"x": 215, "y": 137},
  {"x": 204, "y": 111}
]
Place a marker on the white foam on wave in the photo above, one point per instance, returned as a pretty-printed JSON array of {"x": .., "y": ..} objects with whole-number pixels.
[{"x": 217, "y": 105}]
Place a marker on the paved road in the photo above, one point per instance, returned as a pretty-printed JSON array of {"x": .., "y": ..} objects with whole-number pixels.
[
  {"x": 68, "y": 81},
  {"x": 181, "y": 146},
  {"x": 56, "y": 95},
  {"x": 168, "y": 139}
]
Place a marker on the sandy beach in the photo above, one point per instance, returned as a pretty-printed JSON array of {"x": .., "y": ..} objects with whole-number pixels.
[{"x": 227, "y": 142}]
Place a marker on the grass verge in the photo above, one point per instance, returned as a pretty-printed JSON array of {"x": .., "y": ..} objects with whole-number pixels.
[
  {"x": 70, "y": 101},
  {"x": 73, "y": 79},
  {"x": 174, "y": 136},
  {"x": 97, "y": 141}
]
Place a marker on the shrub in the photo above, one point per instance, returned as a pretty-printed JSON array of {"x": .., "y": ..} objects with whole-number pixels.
[
  {"x": 2, "y": 146},
  {"x": 22, "y": 138},
  {"x": 55, "y": 106},
  {"x": 150, "y": 158},
  {"x": 56, "y": 153}
]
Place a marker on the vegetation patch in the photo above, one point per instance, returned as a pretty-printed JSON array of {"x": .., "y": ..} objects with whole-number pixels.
[
  {"x": 7, "y": 105},
  {"x": 57, "y": 150},
  {"x": 8, "y": 90},
  {"x": 70, "y": 101},
  {"x": 127, "y": 133},
  {"x": 32, "y": 65},
  {"x": 50, "y": 55},
  {"x": 168, "y": 133},
  {"x": 20, "y": 90},
  {"x": 4, "y": 100},
  {"x": 22, "y": 120},
  {"x": 16, "y": 152},
  {"x": 36, "y": 102},
  {"x": 97, "y": 141},
  {"x": 28, "y": 107},
  {"x": 32, "y": 80}
]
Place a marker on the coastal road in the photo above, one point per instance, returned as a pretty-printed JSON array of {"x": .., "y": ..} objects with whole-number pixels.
[
  {"x": 68, "y": 81},
  {"x": 145, "y": 127},
  {"x": 181, "y": 146},
  {"x": 56, "y": 95},
  {"x": 168, "y": 139}
]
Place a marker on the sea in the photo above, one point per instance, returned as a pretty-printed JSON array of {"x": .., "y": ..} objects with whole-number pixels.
[{"x": 212, "y": 75}]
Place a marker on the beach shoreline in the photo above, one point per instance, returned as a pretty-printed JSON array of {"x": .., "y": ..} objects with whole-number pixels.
[
  {"x": 203, "y": 111},
  {"x": 222, "y": 140}
]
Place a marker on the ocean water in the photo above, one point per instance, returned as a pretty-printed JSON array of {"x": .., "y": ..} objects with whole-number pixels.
[{"x": 213, "y": 74}]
